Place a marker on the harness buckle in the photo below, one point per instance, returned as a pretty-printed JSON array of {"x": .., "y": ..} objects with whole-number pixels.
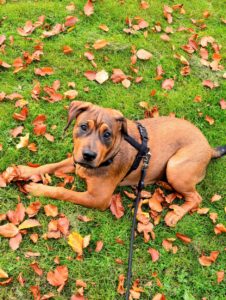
[{"x": 146, "y": 159}]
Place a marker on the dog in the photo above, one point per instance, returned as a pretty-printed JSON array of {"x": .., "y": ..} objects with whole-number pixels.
[{"x": 102, "y": 157}]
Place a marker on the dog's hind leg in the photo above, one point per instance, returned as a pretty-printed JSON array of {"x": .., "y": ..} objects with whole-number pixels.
[{"x": 184, "y": 170}]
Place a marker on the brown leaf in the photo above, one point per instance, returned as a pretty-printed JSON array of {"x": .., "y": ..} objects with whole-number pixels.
[
  {"x": 34, "y": 237},
  {"x": 222, "y": 103},
  {"x": 44, "y": 71},
  {"x": 90, "y": 75},
  {"x": 206, "y": 261},
  {"x": 15, "y": 241},
  {"x": 35, "y": 289},
  {"x": 58, "y": 28},
  {"x": 104, "y": 27},
  {"x": 71, "y": 94},
  {"x": 36, "y": 268},
  {"x": 156, "y": 200},
  {"x": 120, "y": 288},
  {"x": 6, "y": 282},
  {"x": 154, "y": 254},
  {"x": 51, "y": 210},
  {"x": 219, "y": 228},
  {"x": 168, "y": 84},
  {"x": 210, "y": 84},
  {"x": 67, "y": 50},
  {"x": 88, "y": 8},
  {"x": 144, "y": 5},
  {"x": 70, "y": 21},
  {"x": 8, "y": 230},
  {"x": 215, "y": 198},
  {"x": 4, "y": 64},
  {"x": 17, "y": 216},
  {"x": 183, "y": 238},
  {"x": 203, "y": 210},
  {"x": 220, "y": 276},
  {"x": 63, "y": 225},
  {"x": 84, "y": 218},
  {"x": 143, "y": 54},
  {"x": 209, "y": 119},
  {"x": 22, "y": 116},
  {"x": 3, "y": 274},
  {"x": 146, "y": 229},
  {"x": 159, "y": 297},
  {"x": 99, "y": 44},
  {"x": 99, "y": 246},
  {"x": 16, "y": 131},
  {"x": 33, "y": 208},
  {"x": 59, "y": 276},
  {"x": 116, "y": 206},
  {"x": 30, "y": 223}
]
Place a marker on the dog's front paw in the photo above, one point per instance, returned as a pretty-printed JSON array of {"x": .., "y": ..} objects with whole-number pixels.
[
  {"x": 36, "y": 189},
  {"x": 171, "y": 219}
]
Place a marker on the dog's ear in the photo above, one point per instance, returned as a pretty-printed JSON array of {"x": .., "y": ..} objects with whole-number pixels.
[
  {"x": 120, "y": 118},
  {"x": 75, "y": 109}
]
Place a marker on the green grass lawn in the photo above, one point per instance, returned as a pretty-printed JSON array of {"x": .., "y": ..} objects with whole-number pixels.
[{"x": 181, "y": 274}]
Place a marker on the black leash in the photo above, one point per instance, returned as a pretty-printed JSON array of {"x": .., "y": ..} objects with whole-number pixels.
[{"x": 144, "y": 154}]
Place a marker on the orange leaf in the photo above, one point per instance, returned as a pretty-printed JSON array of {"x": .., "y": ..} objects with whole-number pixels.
[
  {"x": 220, "y": 276},
  {"x": 168, "y": 84},
  {"x": 219, "y": 228},
  {"x": 183, "y": 238},
  {"x": 154, "y": 254},
  {"x": 36, "y": 268},
  {"x": 120, "y": 288},
  {"x": 116, "y": 207},
  {"x": 209, "y": 119},
  {"x": 8, "y": 230},
  {"x": 206, "y": 261},
  {"x": 44, "y": 71},
  {"x": 203, "y": 210},
  {"x": 51, "y": 210},
  {"x": 35, "y": 289},
  {"x": 15, "y": 241},
  {"x": 67, "y": 50},
  {"x": 88, "y": 8},
  {"x": 17, "y": 216},
  {"x": 143, "y": 54},
  {"x": 99, "y": 44},
  {"x": 33, "y": 208},
  {"x": 59, "y": 276},
  {"x": 99, "y": 246}
]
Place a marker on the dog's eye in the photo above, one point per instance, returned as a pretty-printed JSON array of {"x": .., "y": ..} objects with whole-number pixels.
[
  {"x": 107, "y": 135},
  {"x": 84, "y": 127}
]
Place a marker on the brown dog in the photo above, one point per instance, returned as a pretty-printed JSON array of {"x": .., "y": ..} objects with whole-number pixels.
[{"x": 179, "y": 151}]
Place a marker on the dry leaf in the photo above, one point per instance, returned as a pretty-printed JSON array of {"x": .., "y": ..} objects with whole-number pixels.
[
  {"x": 88, "y": 8},
  {"x": 154, "y": 254},
  {"x": 8, "y": 230},
  {"x": 143, "y": 54},
  {"x": 30, "y": 223},
  {"x": 75, "y": 240},
  {"x": 116, "y": 206}
]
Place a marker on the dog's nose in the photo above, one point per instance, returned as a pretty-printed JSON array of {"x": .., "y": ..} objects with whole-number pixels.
[{"x": 89, "y": 155}]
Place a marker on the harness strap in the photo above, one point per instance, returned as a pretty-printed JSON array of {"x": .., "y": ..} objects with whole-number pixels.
[{"x": 142, "y": 148}]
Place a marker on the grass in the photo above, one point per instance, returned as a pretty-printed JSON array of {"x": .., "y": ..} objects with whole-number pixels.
[{"x": 181, "y": 275}]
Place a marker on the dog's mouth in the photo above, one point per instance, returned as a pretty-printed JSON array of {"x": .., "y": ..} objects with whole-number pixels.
[{"x": 84, "y": 164}]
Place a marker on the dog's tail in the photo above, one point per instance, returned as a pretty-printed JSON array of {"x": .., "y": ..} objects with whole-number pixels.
[{"x": 219, "y": 151}]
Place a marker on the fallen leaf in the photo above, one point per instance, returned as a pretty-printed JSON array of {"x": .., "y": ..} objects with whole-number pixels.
[
  {"x": 71, "y": 94},
  {"x": 220, "y": 276},
  {"x": 51, "y": 210},
  {"x": 203, "y": 210},
  {"x": 70, "y": 21},
  {"x": 84, "y": 218},
  {"x": 215, "y": 198},
  {"x": 206, "y": 261},
  {"x": 126, "y": 83},
  {"x": 67, "y": 50},
  {"x": 75, "y": 240},
  {"x": 36, "y": 268},
  {"x": 120, "y": 288},
  {"x": 99, "y": 44},
  {"x": 210, "y": 84},
  {"x": 33, "y": 208},
  {"x": 34, "y": 237},
  {"x": 222, "y": 103},
  {"x": 44, "y": 71},
  {"x": 101, "y": 76},
  {"x": 156, "y": 200},
  {"x": 183, "y": 238},
  {"x": 116, "y": 206},
  {"x": 16, "y": 216},
  {"x": 219, "y": 228},
  {"x": 88, "y": 8},
  {"x": 104, "y": 27},
  {"x": 59, "y": 276},
  {"x": 35, "y": 289},
  {"x": 8, "y": 230},
  {"x": 16, "y": 131},
  {"x": 30, "y": 223},
  {"x": 154, "y": 254},
  {"x": 90, "y": 75},
  {"x": 209, "y": 119},
  {"x": 15, "y": 241},
  {"x": 3, "y": 274},
  {"x": 24, "y": 140},
  {"x": 143, "y": 54},
  {"x": 159, "y": 297},
  {"x": 168, "y": 84},
  {"x": 144, "y": 5},
  {"x": 99, "y": 246}
]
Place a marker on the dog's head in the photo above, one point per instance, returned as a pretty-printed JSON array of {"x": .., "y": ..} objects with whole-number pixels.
[{"x": 97, "y": 132}]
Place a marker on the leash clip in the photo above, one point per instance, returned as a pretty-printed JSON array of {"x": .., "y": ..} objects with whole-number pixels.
[{"x": 146, "y": 159}]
